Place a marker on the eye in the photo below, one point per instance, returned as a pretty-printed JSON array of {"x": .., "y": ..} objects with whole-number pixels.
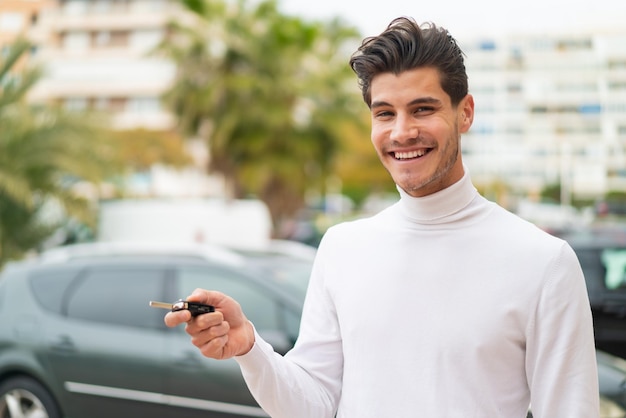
[
  {"x": 423, "y": 110},
  {"x": 383, "y": 114}
]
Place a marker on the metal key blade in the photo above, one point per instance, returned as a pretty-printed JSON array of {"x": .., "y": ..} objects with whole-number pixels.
[{"x": 161, "y": 305}]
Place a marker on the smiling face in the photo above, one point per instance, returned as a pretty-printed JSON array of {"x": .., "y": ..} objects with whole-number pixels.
[{"x": 416, "y": 131}]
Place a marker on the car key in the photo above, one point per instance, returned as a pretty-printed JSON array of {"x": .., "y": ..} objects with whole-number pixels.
[{"x": 194, "y": 307}]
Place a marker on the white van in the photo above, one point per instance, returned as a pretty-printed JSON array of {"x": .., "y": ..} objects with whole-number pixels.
[{"x": 234, "y": 223}]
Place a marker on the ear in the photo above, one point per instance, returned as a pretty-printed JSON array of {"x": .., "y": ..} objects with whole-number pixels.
[{"x": 466, "y": 113}]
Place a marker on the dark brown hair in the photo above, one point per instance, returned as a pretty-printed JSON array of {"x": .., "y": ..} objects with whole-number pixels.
[{"x": 405, "y": 45}]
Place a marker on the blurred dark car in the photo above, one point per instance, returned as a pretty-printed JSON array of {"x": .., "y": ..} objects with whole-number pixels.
[
  {"x": 612, "y": 380},
  {"x": 602, "y": 255},
  {"x": 78, "y": 338}
]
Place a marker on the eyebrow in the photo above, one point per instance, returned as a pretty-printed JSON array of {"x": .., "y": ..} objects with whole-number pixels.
[{"x": 419, "y": 100}]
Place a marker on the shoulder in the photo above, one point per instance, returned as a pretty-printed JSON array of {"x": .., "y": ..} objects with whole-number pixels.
[
  {"x": 367, "y": 225},
  {"x": 525, "y": 239}
]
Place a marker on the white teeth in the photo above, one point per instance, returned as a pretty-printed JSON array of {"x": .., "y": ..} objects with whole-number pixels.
[{"x": 409, "y": 155}]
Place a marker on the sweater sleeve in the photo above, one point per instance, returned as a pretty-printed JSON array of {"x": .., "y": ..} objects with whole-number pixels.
[
  {"x": 561, "y": 363},
  {"x": 306, "y": 382}
]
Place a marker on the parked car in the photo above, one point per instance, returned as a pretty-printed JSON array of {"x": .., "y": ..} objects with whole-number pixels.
[
  {"x": 78, "y": 338},
  {"x": 602, "y": 255},
  {"x": 612, "y": 379},
  {"x": 285, "y": 261}
]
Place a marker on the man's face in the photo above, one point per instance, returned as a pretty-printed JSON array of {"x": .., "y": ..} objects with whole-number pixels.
[{"x": 416, "y": 131}]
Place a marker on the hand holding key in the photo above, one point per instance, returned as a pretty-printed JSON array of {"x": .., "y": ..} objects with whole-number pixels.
[{"x": 222, "y": 334}]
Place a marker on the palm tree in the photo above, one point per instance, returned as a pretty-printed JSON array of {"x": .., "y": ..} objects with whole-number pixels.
[
  {"x": 43, "y": 152},
  {"x": 269, "y": 93}
]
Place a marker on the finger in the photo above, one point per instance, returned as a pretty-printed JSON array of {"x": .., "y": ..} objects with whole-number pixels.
[
  {"x": 218, "y": 330},
  {"x": 175, "y": 318},
  {"x": 199, "y": 338},
  {"x": 215, "y": 347},
  {"x": 204, "y": 321}
]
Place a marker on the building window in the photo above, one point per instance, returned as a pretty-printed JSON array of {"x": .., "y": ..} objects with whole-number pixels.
[
  {"x": 149, "y": 5},
  {"x": 102, "y": 6},
  {"x": 101, "y": 104},
  {"x": 11, "y": 22},
  {"x": 109, "y": 39},
  {"x": 145, "y": 39},
  {"x": 144, "y": 105},
  {"x": 617, "y": 85},
  {"x": 617, "y": 64},
  {"x": 109, "y": 104},
  {"x": 75, "y": 41},
  {"x": 74, "y": 7},
  {"x": 590, "y": 108},
  {"x": 76, "y": 104},
  {"x": 102, "y": 38},
  {"x": 514, "y": 88},
  {"x": 574, "y": 44},
  {"x": 117, "y": 104}
]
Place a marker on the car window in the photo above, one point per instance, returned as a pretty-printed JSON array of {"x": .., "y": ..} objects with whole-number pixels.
[
  {"x": 290, "y": 273},
  {"x": 614, "y": 262},
  {"x": 259, "y": 306},
  {"x": 118, "y": 296},
  {"x": 50, "y": 285},
  {"x": 604, "y": 270}
]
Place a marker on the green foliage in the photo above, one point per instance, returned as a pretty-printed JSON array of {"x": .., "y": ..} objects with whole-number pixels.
[
  {"x": 139, "y": 149},
  {"x": 14, "y": 86},
  {"x": 270, "y": 94},
  {"x": 43, "y": 152},
  {"x": 22, "y": 230},
  {"x": 551, "y": 193},
  {"x": 616, "y": 196}
]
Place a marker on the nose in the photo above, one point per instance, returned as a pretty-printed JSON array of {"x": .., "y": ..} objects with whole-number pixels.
[{"x": 405, "y": 128}]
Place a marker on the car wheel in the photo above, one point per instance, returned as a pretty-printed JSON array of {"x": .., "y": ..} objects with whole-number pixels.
[{"x": 24, "y": 397}]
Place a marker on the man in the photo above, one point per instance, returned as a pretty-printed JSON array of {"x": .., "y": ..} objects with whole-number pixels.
[{"x": 444, "y": 304}]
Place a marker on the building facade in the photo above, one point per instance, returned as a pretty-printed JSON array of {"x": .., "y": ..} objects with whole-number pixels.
[
  {"x": 551, "y": 109},
  {"x": 99, "y": 55}
]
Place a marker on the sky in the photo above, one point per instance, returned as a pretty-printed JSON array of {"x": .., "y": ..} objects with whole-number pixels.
[{"x": 471, "y": 17}]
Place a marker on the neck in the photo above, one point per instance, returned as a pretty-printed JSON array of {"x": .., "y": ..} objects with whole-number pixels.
[{"x": 440, "y": 205}]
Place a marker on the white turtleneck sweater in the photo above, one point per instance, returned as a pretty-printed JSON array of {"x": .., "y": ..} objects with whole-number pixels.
[{"x": 442, "y": 306}]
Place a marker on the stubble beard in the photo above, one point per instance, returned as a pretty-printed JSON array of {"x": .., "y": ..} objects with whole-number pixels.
[{"x": 413, "y": 187}]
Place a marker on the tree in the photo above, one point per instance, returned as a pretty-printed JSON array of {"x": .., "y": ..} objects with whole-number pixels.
[
  {"x": 270, "y": 94},
  {"x": 44, "y": 151},
  {"x": 139, "y": 149}
]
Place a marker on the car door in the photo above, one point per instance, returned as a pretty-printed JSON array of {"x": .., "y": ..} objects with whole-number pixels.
[
  {"x": 108, "y": 347},
  {"x": 215, "y": 388}
]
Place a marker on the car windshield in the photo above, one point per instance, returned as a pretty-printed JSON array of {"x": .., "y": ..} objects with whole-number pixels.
[{"x": 614, "y": 261}]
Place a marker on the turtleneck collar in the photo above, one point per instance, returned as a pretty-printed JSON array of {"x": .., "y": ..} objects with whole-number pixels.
[{"x": 438, "y": 207}]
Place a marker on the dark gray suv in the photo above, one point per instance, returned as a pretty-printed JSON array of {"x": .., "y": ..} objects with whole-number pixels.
[{"x": 78, "y": 338}]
